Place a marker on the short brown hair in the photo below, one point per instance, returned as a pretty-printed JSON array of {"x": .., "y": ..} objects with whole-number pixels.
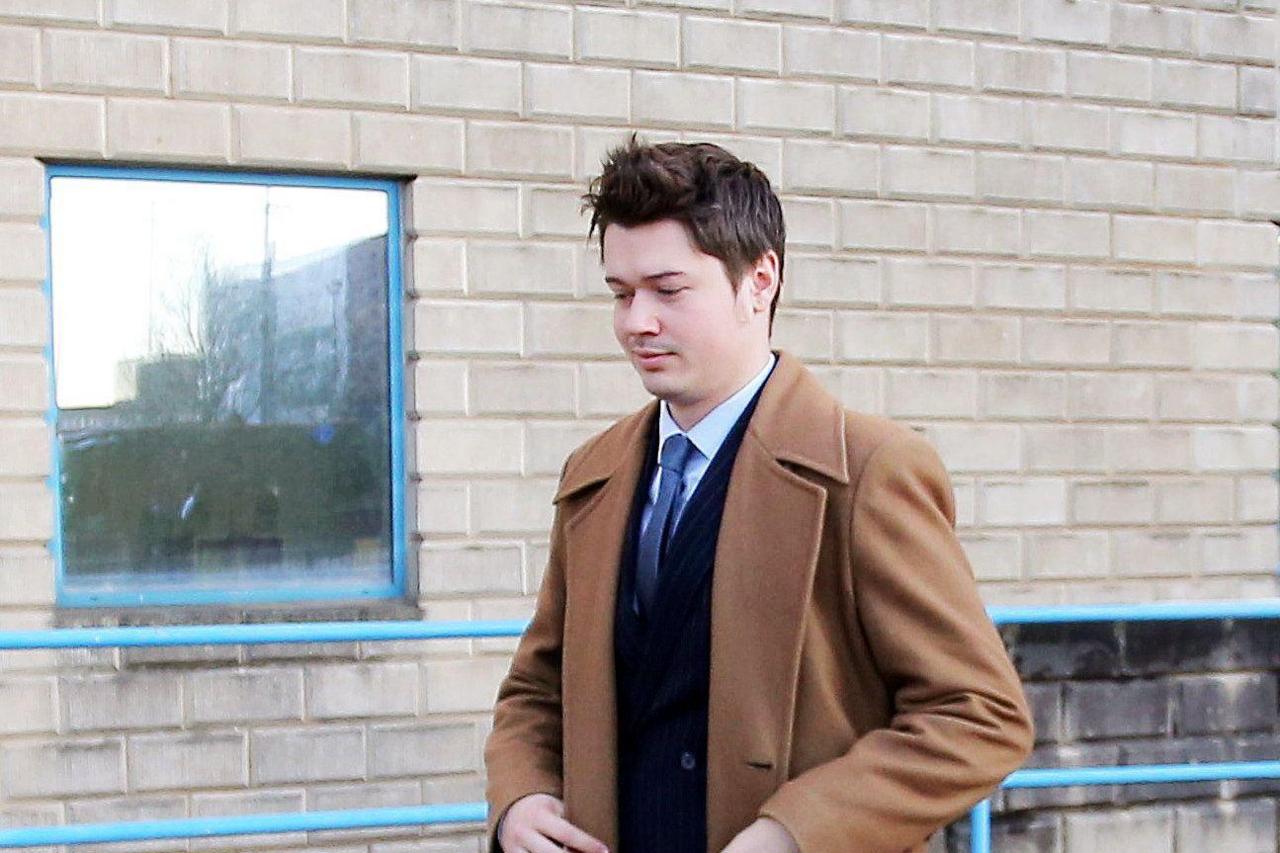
[{"x": 727, "y": 204}]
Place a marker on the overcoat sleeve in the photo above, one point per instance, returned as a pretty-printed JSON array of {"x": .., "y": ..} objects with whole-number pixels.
[
  {"x": 959, "y": 721},
  {"x": 523, "y": 751}
]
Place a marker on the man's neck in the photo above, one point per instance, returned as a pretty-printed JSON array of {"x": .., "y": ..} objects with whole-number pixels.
[{"x": 687, "y": 417}]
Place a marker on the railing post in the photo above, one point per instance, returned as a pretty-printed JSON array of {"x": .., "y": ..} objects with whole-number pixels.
[{"x": 980, "y": 828}]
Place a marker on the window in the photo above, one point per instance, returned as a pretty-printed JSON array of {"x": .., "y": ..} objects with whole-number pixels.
[{"x": 227, "y": 374}]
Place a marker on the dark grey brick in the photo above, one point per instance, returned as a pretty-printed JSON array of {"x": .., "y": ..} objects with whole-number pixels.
[
  {"x": 1046, "y": 711},
  {"x": 1262, "y": 747},
  {"x": 1157, "y": 648},
  {"x": 1169, "y": 751},
  {"x": 1064, "y": 755},
  {"x": 1081, "y": 650},
  {"x": 1024, "y": 832},
  {"x": 1227, "y": 702},
  {"x": 1108, "y": 709}
]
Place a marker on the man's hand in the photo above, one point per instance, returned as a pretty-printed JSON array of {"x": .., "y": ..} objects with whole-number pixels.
[
  {"x": 536, "y": 824},
  {"x": 766, "y": 835}
]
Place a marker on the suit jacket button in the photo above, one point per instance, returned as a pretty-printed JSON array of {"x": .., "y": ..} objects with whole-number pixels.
[{"x": 687, "y": 761}]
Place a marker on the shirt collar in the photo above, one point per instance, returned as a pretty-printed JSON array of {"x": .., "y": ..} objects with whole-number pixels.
[{"x": 709, "y": 433}]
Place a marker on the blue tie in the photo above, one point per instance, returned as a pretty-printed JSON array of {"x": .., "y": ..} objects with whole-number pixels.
[{"x": 676, "y": 451}]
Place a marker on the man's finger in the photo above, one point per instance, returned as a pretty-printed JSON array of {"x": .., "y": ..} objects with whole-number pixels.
[
  {"x": 561, "y": 830},
  {"x": 540, "y": 844}
]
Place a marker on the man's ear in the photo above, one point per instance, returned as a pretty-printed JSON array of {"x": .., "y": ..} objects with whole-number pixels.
[{"x": 763, "y": 281}]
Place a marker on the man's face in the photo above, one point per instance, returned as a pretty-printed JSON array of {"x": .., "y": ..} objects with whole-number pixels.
[{"x": 693, "y": 338}]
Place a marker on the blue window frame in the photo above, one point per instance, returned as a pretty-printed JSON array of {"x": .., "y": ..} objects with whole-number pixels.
[{"x": 227, "y": 387}]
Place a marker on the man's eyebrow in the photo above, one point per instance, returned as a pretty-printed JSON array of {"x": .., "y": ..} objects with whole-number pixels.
[{"x": 610, "y": 279}]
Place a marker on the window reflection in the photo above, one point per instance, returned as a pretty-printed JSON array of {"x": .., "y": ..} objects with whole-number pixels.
[{"x": 221, "y": 378}]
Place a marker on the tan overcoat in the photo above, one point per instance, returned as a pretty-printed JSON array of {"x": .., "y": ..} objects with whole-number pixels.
[{"x": 859, "y": 693}]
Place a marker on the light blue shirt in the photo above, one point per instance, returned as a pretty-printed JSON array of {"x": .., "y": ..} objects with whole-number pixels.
[{"x": 706, "y": 435}]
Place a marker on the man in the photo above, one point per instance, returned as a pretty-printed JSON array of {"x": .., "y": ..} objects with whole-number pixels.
[{"x": 757, "y": 630}]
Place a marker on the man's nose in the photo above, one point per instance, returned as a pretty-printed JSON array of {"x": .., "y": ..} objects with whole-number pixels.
[{"x": 639, "y": 315}]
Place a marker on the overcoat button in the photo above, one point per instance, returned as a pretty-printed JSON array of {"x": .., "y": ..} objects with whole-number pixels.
[{"x": 687, "y": 761}]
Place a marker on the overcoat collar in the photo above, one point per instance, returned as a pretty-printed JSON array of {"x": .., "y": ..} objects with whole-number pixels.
[{"x": 766, "y": 554}]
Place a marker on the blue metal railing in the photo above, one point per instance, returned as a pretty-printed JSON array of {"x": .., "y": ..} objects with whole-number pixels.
[{"x": 199, "y": 635}]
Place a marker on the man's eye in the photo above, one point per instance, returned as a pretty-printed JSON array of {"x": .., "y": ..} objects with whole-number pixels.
[
  {"x": 619, "y": 295},
  {"x": 670, "y": 291}
]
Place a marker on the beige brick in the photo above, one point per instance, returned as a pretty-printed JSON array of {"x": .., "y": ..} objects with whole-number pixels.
[
  {"x": 229, "y": 70},
  {"x": 916, "y": 59},
  {"x": 1134, "y": 449},
  {"x": 1235, "y": 448},
  {"x": 104, "y": 62},
  {"x": 1020, "y": 177},
  {"x": 1110, "y": 396},
  {"x": 518, "y": 30},
  {"x": 929, "y": 173},
  {"x": 1154, "y": 239},
  {"x": 1022, "y": 287},
  {"x": 289, "y": 135},
  {"x": 22, "y": 245},
  {"x": 463, "y": 84},
  {"x": 928, "y": 283},
  {"x": 765, "y": 152},
  {"x": 789, "y": 8},
  {"x": 29, "y": 705},
  {"x": 999, "y": 17},
  {"x": 1112, "y": 184},
  {"x": 1153, "y": 134},
  {"x": 320, "y": 20},
  {"x": 244, "y": 695},
  {"x": 361, "y": 690},
  {"x": 1069, "y": 126},
  {"x": 884, "y": 114},
  {"x": 469, "y": 447},
  {"x": 471, "y": 569},
  {"x": 1153, "y": 344},
  {"x": 857, "y": 388},
  {"x": 806, "y": 334},
  {"x": 454, "y": 208},
  {"x": 1153, "y": 28},
  {"x": 1113, "y": 502},
  {"x": 19, "y": 56},
  {"x": 976, "y": 448},
  {"x": 552, "y": 212},
  {"x": 1026, "y": 502},
  {"x": 1237, "y": 244},
  {"x": 993, "y": 556},
  {"x": 903, "y": 13},
  {"x": 1197, "y": 294},
  {"x": 810, "y": 222},
  {"x": 512, "y": 268},
  {"x": 1195, "y": 84},
  {"x": 1196, "y": 398},
  {"x": 571, "y": 330},
  {"x": 523, "y": 389},
  {"x": 1237, "y": 346},
  {"x": 24, "y": 382},
  {"x": 332, "y": 77},
  {"x": 681, "y": 100},
  {"x": 1253, "y": 549},
  {"x": 423, "y": 23},
  {"x": 610, "y": 389},
  {"x": 978, "y": 120},
  {"x": 62, "y": 768},
  {"x": 21, "y": 197},
  {"x": 513, "y": 506},
  {"x": 1111, "y": 291},
  {"x": 187, "y": 760},
  {"x": 25, "y": 448},
  {"x": 1257, "y": 91},
  {"x": 1074, "y": 554},
  {"x": 1199, "y": 501},
  {"x": 787, "y": 106},
  {"x": 1066, "y": 235},
  {"x": 991, "y": 340},
  {"x": 883, "y": 225},
  {"x": 1247, "y": 38},
  {"x": 1235, "y": 139},
  {"x": 1024, "y": 396},
  {"x": 577, "y": 93},
  {"x": 1257, "y": 499},
  {"x": 1110, "y": 77},
  {"x": 519, "y": 150},
  {"x": 1140, "y": 552},
  {"x": 1256, "y": 297},
  {"x": 832, "y": 281},
  {"x": 1259, "y": 400},
  {"x": 1004, "y": 68},
  {"x": 1066, "y": 342},
  {"x": 931, "y": 393},
  {"x": 630, "y": 38},
  {"x": 975, "y": 230},
  {"x": 411, "y": 143},
  {"x": 463, "y": 686},
  {"x": 468, "y": 327},
  {"x": 882, "y": 337},
  {"x": 830, "y": 52},
  {"x": 1069, "y": 21},
  {"x": 168, "y": 130},
  {"x": 712, "y": 44},
  {"x": 26, "y": 578},
  {"x": 442, "y": 509},
  {"x": 288, "y": 755},
  {"x": 550, "y": 442},
  {"x": 1059, "y": 448},
  {"x": 134, "y": 700},
  {"x": 819, "y": 166},
  {"x": 438, "y": 266},
  {"x": 50, "y": 124},
  {"x": 198, "y": 15},
  {"x": 419, "y": 750},
  {"x": 83, "y": 11}
]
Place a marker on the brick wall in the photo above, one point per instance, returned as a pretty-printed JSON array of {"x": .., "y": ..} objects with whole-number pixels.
[{"x": 1038, "y": 230}]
